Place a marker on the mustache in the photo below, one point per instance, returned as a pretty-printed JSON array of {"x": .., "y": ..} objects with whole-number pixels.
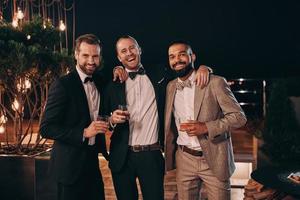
[
  {"x": 94, "y": 65},
  {"x": 179, "y": 63}
]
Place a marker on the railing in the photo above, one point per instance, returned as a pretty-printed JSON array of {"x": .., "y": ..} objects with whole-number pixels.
[{"x": 251, "y": 95}]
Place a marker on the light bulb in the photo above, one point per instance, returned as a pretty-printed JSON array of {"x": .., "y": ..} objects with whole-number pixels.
[
  {"x": 62, "y": 26},
  {"x": 3, "y": 119},
  {"x": 20, "y": 14},
  {"x": 15, "y": 23},
  {"x": 2, "y": 129},
  {"x": 15, "y": 105},
  {"x": 27, "y": 84}
]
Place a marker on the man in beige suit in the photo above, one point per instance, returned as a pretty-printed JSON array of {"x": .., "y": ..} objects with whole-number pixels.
[{"x": 197, "y": 129}]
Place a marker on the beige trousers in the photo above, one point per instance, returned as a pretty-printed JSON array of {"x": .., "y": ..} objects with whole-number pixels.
[{"x": 192, "y": 172}]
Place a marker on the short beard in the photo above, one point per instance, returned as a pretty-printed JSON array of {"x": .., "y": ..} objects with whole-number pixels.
[
  {"x": 184, "y": 71},
  {"x": 83, "y": 68}
]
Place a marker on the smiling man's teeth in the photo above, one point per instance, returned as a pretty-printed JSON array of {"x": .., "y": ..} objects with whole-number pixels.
[{"x": 131, "y": 59}]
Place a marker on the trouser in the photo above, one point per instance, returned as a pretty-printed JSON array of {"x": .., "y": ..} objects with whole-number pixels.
[
  {"x": 192, "y": 172},
  {"x": 148, "y": 167},
  {"x": 89, "y": 185}
]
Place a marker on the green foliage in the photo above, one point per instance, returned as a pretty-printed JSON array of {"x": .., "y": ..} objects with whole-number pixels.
[
  {"x": 29, "y": 62},
  {"x": 44, "y": 34},
  {"x": 30, "y": 46},
  {"x": 282, "y": 133}
]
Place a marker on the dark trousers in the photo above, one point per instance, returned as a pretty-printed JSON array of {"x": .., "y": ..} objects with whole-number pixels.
[
  {"x": 148, "y": 167},
  {"x": 89, "y": 185}
]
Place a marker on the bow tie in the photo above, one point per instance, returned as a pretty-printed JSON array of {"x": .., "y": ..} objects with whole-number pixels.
[
  {"x": 180, "y": 85},
  {"x": 87, "y": 79},
  {"x": 141, "y": 71}
]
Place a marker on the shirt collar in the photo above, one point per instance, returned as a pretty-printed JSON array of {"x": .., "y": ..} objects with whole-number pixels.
[
  {"x": 81, "y": 74},
  {"x": 191, "y": 77},
  {"x": 128, "y": 70}
]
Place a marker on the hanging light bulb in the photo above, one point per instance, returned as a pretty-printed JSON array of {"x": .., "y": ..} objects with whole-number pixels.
[
  {"x": 62, "y": 26},
  {"x": 44, "y": 24},
  {"x": 3, "y": 119},
  {"x": 1, "y": 15},
  {"x": 28, "y": 37},
  {"x": 68, "y": 70},
  {"x": 15, "y": 22},
  {"x": 23, "y": 84},
  {"x": 15, "y": 105},
  {"x": 2, "y": 129},
  {"x": 20, "y": 14},
  {"x": 27, "y": 83}
]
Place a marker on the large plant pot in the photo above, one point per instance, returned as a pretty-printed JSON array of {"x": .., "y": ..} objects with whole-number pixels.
[{"x": 25, "y": 178}]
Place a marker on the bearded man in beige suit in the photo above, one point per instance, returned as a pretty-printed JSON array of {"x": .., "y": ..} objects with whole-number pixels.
[{"x": 197, "y": 129}]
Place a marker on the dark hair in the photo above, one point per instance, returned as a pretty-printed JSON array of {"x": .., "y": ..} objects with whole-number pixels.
[
  {"x": 181, "y": 42},
  {"x": 88, "y": 38},
  {"x": 125, "y": 37}
]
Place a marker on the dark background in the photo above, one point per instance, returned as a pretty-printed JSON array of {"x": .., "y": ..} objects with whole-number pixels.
[{"x": 239, "y": 38}]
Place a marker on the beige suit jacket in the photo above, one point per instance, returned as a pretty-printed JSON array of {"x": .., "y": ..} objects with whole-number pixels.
[{"x": 217, "y": 107}]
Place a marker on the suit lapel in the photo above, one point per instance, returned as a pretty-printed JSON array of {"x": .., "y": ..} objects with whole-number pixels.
[
  {"x": 121, "y": 90},
  {"x": 169, "y": 102},
  {"x": 198, "y": 99},
  {"x": 99, "y": 83},
  {"x": 79, "y": 92}
]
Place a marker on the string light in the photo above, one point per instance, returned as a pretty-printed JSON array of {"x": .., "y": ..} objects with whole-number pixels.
[
  {"x": 15, "y": 105},
  {"x": 20, "y": 14},
  {"x": 3, "y": 119},
  {"x": 62, "y": 26},
  {"x": 15, "y": 23},
  {"x": 25, "y": 10},
  {"x": 23, "y": 85},
  {"x": 2, "y": 129}
]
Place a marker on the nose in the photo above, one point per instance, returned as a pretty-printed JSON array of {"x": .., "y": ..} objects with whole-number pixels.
[
  {"x": 177, "y": 58},
  {"x": 91, "y": 60},
  {"x": 129, "y": 52}
]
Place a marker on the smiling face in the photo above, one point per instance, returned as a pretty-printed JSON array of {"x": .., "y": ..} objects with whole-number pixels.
[
  {"x": 88, "y": 57},
  {"x": 129, "y": 53},
  {"x": 180, "y": 56}
]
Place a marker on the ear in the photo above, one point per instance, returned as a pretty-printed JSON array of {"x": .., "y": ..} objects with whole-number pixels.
[
  {"x": 193, "y": 57},
  {"x": 76, "y": 54},
  {"x": 140, "y": 50},
  {"x": 119, "y": 58}
]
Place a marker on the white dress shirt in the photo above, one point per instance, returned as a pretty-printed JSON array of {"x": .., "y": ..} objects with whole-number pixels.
[
  {"x": 141, "y": 102},
  {"x": 93, "y": 99},
  {"x": 184, "y": 110}
]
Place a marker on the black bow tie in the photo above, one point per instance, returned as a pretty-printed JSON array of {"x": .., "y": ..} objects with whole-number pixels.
[
  {"x": 87, "y": 79},
  {"x": 141, "y": 71}
]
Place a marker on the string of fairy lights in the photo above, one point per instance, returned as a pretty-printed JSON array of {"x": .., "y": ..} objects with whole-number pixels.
[{"x": 60, "y": 13}]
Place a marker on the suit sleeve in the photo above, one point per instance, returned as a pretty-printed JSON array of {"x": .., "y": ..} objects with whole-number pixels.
[
  {"x": 106, "y": 100},
  {"x": 233, "y": 115},
  {"x": 53, "y": 125}
]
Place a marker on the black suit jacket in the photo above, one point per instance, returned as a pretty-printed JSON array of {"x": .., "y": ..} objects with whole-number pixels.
[
  {"x": 66, "y": 115},
  {"x": 115, "y": 95}
]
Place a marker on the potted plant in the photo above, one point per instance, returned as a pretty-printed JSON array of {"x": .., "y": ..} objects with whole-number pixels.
[{"x": 30, "y": 59}]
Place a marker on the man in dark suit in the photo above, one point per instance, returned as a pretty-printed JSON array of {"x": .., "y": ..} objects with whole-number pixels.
[
  {"x": 135, "y": 149},
  {"x": 70, "y": 119}
]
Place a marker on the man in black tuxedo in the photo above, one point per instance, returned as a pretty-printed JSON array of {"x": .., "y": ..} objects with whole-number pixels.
[
  {"x": 70, "y": 119},
  {"x": 137, "y": 140}
]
